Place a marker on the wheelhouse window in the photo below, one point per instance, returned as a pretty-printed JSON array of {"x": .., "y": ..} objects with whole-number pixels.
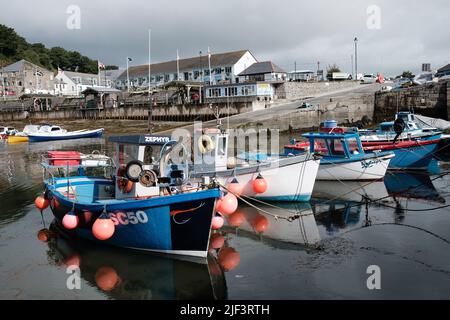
[
  {"x": 337, "y": 147},
  {"x": 321, "y": 147},
  {"x": 353, "y": 146}
]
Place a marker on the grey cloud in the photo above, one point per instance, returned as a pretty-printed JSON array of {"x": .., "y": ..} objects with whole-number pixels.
[{"x": 284, "y": 31}]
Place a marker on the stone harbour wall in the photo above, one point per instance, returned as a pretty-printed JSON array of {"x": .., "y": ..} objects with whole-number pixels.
[{"x": 301, "y": 90}]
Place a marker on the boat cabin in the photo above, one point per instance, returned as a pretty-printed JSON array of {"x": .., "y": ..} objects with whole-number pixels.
[
  {"x": 149, "y": 162},
  {"x": 344, "y": 145},
  {"x": 50, "y": 128},
  {"x": 210, "y": 150}
]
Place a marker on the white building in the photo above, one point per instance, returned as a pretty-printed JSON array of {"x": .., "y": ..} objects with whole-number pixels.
[
  {"x": 301, "y": 75},
  {"x": 68, "y": 83},
  {"x": 225, "y": 68},
  {"x": 263, "y": 71}
]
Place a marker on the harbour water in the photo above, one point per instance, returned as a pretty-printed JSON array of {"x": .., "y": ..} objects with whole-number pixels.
[{"x": 323, "y": 255}]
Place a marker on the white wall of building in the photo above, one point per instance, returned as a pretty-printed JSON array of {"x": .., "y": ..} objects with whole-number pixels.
[{"x": 246, "y": 61}]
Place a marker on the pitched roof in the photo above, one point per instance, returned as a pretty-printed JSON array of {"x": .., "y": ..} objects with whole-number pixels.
[
  {"x": 445, "y": 68},
  {"x": 262, "y": 68},
  {"x": 19, "y": 65},
  {"x": 218, "y": 59}
]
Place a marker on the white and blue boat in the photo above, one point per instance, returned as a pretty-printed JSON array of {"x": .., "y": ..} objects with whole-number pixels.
[
  {"x": 146, "y": 199},
  {"x": 49, "y": 132},
  {"x": 343, "y": 156}
]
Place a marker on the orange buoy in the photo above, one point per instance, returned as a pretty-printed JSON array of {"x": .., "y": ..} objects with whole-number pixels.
[
  {"x": 260, "y": 223},
  {"x": 103, "y": 227},
  {"x": 229, "y": 258},
  {"x": 217, "y": 222},
  {"x": 70, "y": 220},
  {"x": 44, "y": 235},
  {"x": 106, "y": 278},
  {"x": 217, "y": 241},
  {"x": 236, "y": 219},
  {"x": 259, "y": 184},
  {"x": 235, "y": 187},
  {"x": 229, "y": 204},
  {"x": 41, "y": 203}
]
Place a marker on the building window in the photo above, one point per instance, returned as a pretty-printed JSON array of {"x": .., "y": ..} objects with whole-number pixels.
[
  {"x": 207, "y": 72},
  {"x": 218, "y": 70},
  {"x": 228, "y": 70},
  {"x": 167, "y": 78},
  {"x": 186, "y": 76}
]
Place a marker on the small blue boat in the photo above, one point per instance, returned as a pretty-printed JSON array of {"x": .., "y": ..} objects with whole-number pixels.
[
  {"x": 343, "y": 156},
  {"x": 50, "y": 133},
  {"x": 148, "y": 201}
]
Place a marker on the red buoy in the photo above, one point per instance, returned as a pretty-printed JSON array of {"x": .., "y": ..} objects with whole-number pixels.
[
  {"x": 217, "y": 222},
  {"x": 73, "y": 261},
  {"x": 106, "y": 278},
  {"x": 44, "y": 235},
  {"x": 229, "y": 204},
  {"x": 103, "y": 228},
  {"x": 235, "y": 187},
  {"x": 41, "y": 203},
  {"x": 70, "y": 220},
  {"x": 259, "y": 184},
  {"x": 229, "y": 258},
  {"x": 236, "y": 219}
]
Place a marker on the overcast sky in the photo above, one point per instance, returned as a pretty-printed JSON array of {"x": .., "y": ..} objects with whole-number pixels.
[{"x": 411, "y": 31}]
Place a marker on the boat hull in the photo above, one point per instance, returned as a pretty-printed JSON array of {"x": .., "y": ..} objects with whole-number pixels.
[
  {"x": 410, "y": 155},
  {"x": 37, "y": 137},
  {"x": 178, "y": 224},
  {"x": 292, "y": 179},
  {"x": 17, "y": 139},
  {"x": 354, "y": 170}
]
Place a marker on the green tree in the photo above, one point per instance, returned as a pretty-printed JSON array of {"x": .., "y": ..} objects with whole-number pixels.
[{"x": 407, "y": 74}]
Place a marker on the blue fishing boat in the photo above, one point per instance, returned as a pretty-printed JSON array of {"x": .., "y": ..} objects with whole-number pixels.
[
  {"x": 343, "y": 156},
  {"x": 412, "y": 155},
  {"x": 136, "y": 200},
  {"x": 51, "y": 132}
]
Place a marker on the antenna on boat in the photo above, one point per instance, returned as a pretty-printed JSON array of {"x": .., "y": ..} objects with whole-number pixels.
[
  {"x": 216, "y": 113},
  {"x": 150, "y": 109}
]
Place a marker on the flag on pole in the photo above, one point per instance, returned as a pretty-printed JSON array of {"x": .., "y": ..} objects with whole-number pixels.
[
  {"x": 129, "y": 59},
  {"x": 178, "y": 66},
  {"x": 101, "y": 66}
]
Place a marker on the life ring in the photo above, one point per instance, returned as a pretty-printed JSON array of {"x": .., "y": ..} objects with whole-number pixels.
[
  {"x": 205, "y": 144},
  {"x": 123, "y": 184}
]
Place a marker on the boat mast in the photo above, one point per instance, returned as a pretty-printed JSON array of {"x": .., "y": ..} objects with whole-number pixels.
[{"x": 150, "y": 107}]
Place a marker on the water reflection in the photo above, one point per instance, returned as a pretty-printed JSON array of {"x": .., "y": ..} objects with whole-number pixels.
[
  {"x": 273, "y": 229},
  {"x": 122, "y": 274}
]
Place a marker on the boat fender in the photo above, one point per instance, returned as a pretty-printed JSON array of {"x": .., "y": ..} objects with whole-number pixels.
[
  {"x": 133, "y": 170},
  {"x": 399, "y": 127},
  {"x": 205, "y": 144}
]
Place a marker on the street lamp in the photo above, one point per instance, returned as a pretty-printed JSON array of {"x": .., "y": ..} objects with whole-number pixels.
[{"x": 356, "y": 57}]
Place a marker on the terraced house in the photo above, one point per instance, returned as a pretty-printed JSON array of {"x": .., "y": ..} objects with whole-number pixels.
[{"x": 225, "y": 68}]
